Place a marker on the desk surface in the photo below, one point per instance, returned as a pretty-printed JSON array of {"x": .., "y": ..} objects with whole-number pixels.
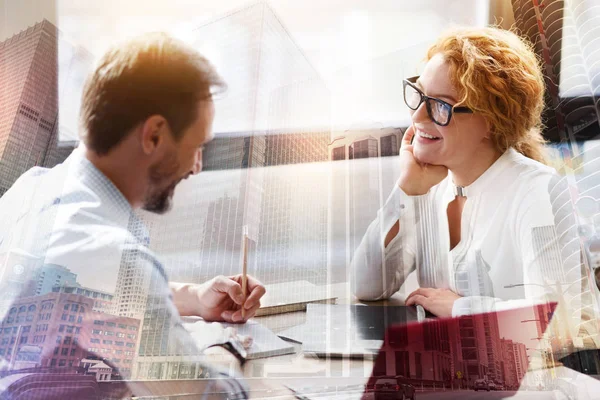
[{"x": 300, "y": 370}]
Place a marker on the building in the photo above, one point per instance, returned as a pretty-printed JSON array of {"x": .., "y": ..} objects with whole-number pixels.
[
  {"x": 261, "y": 129},
  {"x": 17, "y": 275},
  {"x": 50, "y": 275},
  {"x": 511, "y": 378},
  {"x": 133, "y": 280},
  {"x": 113, "y": 339},
  {"x": 358, "y": 185},
  {"x": 30, "y": 129},
  {"x": 494, "y": 347},
  {"x": 421, "y": 353},
  {"x": 521, "y": 360},
  {"x": 60, "y": 329},
  {"x": 473, "y": 347},
  {"x": 562, "y": 33},
  {"x": 103, "y": 301}
]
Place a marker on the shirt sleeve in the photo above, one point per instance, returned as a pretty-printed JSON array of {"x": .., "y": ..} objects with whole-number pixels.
[
  {"x": 162, "y": 324},
  {"x": 378, "y": 271}
]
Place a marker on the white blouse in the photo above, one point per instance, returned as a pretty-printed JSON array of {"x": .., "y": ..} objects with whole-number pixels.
[{"x": 517, "y": 228}]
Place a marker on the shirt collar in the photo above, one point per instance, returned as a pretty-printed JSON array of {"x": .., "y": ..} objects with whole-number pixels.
[{"x": 111, "y": 197}]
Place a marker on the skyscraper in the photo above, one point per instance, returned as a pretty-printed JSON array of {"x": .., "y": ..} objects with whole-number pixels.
[
  {"x": 260, "y": 122},
  {"x": 30, "y": 79},
  {"x": 359, "y": 185},
  {"x": 521, "y": 363},
  {"x": 50, "y": 275},
  {"x": 511, "y": 379},
  {"x": 563, "y": 33}
]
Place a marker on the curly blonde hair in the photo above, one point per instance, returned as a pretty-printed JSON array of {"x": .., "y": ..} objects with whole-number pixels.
[{"x": 498, "y": 75}]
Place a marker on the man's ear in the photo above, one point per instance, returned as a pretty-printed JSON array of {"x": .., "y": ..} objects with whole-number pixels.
[{"x": 152, "y": 133}]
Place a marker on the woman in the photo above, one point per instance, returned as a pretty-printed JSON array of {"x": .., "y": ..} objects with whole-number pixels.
[{"x": 475, "y": 211}]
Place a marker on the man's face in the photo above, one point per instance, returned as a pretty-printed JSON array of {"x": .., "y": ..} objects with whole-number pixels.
[{"x": 183, "y": 159}]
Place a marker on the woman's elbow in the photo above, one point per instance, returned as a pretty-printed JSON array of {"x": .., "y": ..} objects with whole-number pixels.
[{"x": 370, "y": 293}]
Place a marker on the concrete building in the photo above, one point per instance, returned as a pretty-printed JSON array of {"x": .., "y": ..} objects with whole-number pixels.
[
  {"x": 563, "y": 33},
  {"x": 103, "y": 301},
  {"x": 473, "y": 347},
  {"x": 260, "y": 129},
  {"x": 65, "y": 329},
  {"x": 511, "y": 378},
  {"x": 30, "y": 129},
  {"x": 17, "y": 275},
  {"x": 50, "y": 275},
  {"x": 422, "y": 353},
  {"x": 521, "y": 363},
  {"x": 361, "y": 178},
  {"x": 133, "y": 279}
]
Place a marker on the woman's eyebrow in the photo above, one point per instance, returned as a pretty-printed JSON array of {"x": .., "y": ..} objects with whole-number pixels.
[{"x": 440, "y": 96}]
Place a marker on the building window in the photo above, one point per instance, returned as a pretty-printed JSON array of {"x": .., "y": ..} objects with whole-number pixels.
[
  {"x": 62, "y": 362},
  {"x": 97, "y": 322},
  {"x": 64, "y": 351}
]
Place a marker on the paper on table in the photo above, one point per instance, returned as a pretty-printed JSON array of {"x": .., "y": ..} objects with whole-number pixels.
[{"x": 264, "y": 342}]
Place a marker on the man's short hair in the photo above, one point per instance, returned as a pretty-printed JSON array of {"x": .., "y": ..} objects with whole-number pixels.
[{"x": 153, "y": 74}]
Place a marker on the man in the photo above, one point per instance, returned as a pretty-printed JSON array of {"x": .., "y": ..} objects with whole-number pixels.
[{"x": 147, "y": 111}]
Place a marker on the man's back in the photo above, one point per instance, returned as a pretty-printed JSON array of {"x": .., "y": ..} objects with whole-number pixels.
[{"x": 70, "y": 236}]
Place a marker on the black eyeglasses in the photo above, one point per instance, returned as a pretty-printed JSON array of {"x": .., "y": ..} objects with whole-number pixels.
[{"x": 438, "y": 110}]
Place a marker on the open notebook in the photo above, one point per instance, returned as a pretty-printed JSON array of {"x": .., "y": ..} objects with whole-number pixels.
[
  {"x": 265, "y": 342},
  {"x": 292, "y": 296}
]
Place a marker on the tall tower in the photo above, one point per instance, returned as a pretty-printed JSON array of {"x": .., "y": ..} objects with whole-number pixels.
[
  {"x": 30, "y": 82},
  {"x": 268, "y": 87},
  {"x": 362, "y": 175}
]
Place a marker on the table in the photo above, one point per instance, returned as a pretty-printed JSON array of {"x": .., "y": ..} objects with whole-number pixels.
[{"x": 267, "y": 375}]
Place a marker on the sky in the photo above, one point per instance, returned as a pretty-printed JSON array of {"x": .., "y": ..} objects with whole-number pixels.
[{"x": 353, "y": 45}]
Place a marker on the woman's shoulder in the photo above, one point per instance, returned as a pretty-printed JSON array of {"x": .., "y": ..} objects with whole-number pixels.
[{"x": 528, "y": 171}]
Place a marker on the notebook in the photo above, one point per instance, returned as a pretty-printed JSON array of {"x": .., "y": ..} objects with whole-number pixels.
[
  {"x": 292, "y": 296},
  {"x": 265, "y": 342}
]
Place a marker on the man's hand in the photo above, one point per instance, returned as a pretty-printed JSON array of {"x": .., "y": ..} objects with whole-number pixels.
[
  {"x": 220, "y": 299},
  {"x": 436, "y": 301}
]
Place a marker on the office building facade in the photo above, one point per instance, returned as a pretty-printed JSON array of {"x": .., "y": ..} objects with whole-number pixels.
[{"x": 30, "y": 129}]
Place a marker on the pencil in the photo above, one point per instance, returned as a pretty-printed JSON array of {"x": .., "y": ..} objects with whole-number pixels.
[{"x": 244, "y": 266}]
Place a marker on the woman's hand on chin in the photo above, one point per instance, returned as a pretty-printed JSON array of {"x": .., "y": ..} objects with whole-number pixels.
[{"x": 436, "y": 301}]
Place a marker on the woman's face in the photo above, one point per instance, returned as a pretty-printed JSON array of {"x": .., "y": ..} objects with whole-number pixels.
[{"x": 457, "y": 143}]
